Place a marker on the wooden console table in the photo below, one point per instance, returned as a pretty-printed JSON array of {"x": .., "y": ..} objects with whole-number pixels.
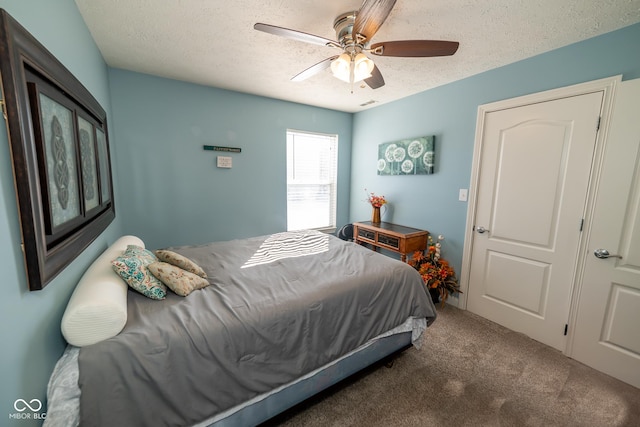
[{"x": 393, "y": 237}]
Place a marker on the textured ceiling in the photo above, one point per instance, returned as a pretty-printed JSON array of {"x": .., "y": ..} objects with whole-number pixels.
[{"x": 213, "y": 43}]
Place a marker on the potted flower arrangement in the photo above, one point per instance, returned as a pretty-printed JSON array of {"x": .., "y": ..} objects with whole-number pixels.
[
  {"x": 376, "y": 203},
  {"x": 438, "y": 275}
]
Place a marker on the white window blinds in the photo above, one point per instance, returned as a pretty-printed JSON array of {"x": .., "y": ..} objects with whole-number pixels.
[{"x": 312, "y": 164}]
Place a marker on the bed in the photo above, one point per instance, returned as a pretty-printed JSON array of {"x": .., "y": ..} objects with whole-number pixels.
[{"x": 284, "y": 317}]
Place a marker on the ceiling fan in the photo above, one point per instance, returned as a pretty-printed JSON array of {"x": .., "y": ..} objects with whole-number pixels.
[{"x": 354, "y": 31}]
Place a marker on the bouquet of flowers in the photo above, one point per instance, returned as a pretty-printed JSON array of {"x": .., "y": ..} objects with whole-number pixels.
[
  {"x": 438, "y": 275},
  {"x": 375, "y": 201}
]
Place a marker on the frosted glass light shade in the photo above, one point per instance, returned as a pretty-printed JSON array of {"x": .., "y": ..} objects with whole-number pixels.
[
  {"x": 362, "y": 67},
  {"x": 341, "y": 67}
]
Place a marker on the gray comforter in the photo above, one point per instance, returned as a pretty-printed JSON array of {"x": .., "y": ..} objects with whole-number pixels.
[{"x": 278, "y": 307}]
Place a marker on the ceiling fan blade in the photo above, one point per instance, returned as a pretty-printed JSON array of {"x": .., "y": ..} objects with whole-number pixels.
[
  {"x": 314, "y": 69},
  {"x": 415, "y": 48},
  {"x": 295, "y": 35},
  {"x": 371, "y": 16},
  {"x": 376, "y": 80}
]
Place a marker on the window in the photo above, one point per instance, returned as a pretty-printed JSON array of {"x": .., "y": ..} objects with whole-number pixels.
[{"x": 312, "y": 165}]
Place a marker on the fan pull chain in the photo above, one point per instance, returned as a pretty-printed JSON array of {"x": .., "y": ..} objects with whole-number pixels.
[{"x": 352, "y": 69}]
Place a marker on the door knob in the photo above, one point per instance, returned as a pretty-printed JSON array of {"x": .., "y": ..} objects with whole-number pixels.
[
  {"x": 604, "y": 254},
  {"x": 481, "y": 229}
]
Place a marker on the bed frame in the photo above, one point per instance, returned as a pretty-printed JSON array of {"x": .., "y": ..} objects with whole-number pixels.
[{"x": 263, "y": 408}]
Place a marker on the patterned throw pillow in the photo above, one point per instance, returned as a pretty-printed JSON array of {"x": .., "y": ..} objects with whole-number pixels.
[
  {"x": 180, "y": 261},
  {"x": 178, "y": 280},
  {"x": 132, "y": 267}
]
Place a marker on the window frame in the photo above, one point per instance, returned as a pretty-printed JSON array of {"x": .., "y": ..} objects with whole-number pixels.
[{"x": 332, "y": 181}]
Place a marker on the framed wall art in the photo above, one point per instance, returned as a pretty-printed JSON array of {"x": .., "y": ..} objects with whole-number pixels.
[
  {"x": 414, "y": 156},
  {"x": 60, "y": 153}
]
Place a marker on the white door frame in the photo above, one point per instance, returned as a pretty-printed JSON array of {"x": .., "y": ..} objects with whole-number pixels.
[{"x": 608, "y": 85}]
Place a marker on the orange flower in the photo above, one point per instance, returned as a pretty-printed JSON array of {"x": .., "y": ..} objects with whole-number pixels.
[
  {"x": 436, "y": 272},
  {"x": 376, "y": 201}
]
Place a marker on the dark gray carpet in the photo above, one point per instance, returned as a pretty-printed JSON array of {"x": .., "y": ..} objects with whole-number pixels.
[{"x": 473, "y": 372}]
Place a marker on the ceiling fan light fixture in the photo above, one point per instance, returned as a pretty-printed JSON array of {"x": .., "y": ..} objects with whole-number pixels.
[
  {"x": 352, "y": 70},
  {"x": 362, "y": 67},
  {"x": 354, "y": 32},
  {"x": 341, "y": 67}
]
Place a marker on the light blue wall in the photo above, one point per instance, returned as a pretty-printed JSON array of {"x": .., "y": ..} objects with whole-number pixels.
[
  {"x": 449, "y": 112},
  {"x": 174, "y": 192},
  {"x": 30, "y": 321}
]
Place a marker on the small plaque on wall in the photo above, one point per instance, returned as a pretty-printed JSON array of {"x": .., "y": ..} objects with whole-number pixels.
[
  {"x": 227, "y": 149},
  {"x": 225, "y": 162}
]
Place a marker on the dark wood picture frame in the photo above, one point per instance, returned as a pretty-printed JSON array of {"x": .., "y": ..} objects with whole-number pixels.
[{"x": 60, "y": 152}]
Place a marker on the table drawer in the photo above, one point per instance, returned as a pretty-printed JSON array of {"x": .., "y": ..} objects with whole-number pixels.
[
  {"x": 392, "y": 242},
  {"x": 366, "y": 234}
]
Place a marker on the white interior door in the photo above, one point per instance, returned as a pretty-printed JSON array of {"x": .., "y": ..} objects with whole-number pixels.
[
  {"x": 606, "y": 335},
  {"x": 531, "y": 191}
]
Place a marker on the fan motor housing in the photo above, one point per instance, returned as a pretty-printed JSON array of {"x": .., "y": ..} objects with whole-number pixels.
[{"x": 343, "y": 25}]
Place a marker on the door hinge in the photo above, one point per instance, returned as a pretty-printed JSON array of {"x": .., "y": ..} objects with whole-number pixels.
[
  {"x": 566, "y": 329},
  {"x": 581, "y": 224},
  {"x": 598, "y": 125}
]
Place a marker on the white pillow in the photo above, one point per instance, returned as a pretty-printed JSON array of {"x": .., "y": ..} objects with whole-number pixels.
[{"x": 97, "y": 309}]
